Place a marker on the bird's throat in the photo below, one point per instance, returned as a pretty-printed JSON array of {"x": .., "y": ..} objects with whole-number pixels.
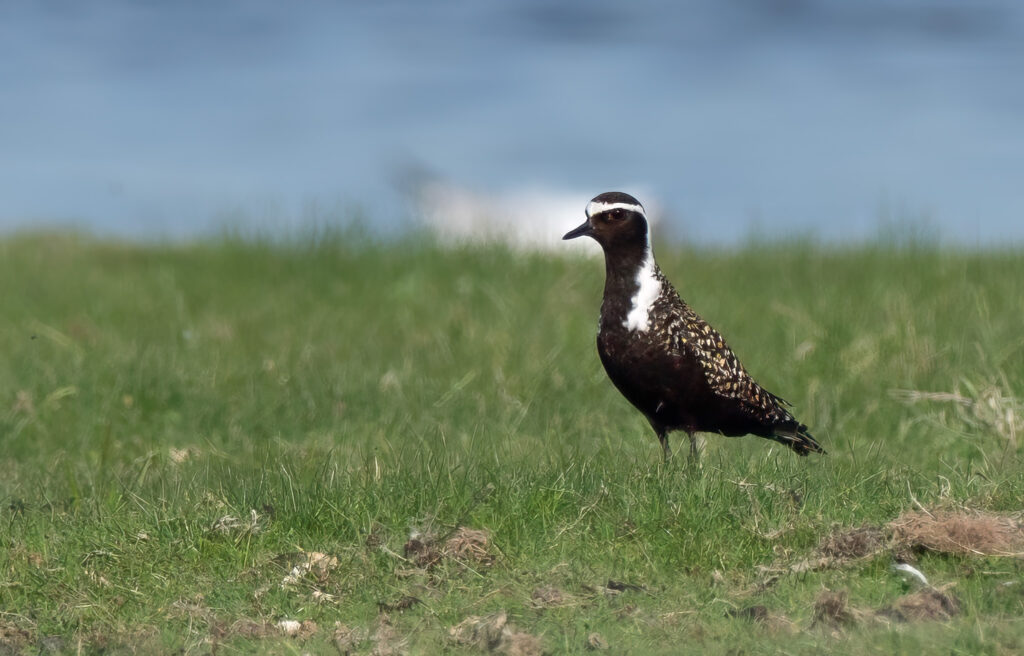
[{"x": 632, "y": 285}]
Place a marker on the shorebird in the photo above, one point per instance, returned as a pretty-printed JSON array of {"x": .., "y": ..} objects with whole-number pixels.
[{"x": 667, "y": 361}]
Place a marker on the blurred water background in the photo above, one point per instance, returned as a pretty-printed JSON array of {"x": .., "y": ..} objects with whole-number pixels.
[{"x": 825, "y": 118}]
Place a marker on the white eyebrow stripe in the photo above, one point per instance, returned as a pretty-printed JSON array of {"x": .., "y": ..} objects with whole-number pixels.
[{"x": 596, "y": 208}]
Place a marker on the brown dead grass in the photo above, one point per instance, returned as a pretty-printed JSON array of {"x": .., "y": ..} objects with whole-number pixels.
[
  {"x": 493, "y": 633},
  {"x": 261, "y": 630},
  {"x": 403, "y": 603},
  {"x": 962, "y": 532},
  {"x": 387, "y": 641},
  {"x": 421, "y": 550},
  {"x": 549, "y": 596},
  {"x": 851, "y": 544},
  {"x": 831, "y": 609},
  {"x": 13, "y": 638},
  {"x": 959, "y": 532},
  {"x": 770, "y": 622},
  {"x": 596, "y": 642},
  {"x": 466, "y": 546},
  {"x": 923, "y": 605},
  {"x": 839, "y": 548},
  {"x": 469, "y": 545},
  {"x": 348, "y": 639},
  {"x": 313, "y": 563}
]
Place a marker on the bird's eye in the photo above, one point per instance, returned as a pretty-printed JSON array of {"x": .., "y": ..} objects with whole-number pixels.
[{"x": 617, "y": 214}]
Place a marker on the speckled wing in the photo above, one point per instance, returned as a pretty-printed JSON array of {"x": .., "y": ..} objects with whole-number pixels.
[
  {"x": 694, "y": 339},
  {"x": 690, "y": 335}
]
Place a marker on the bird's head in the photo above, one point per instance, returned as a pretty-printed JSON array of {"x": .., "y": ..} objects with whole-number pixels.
[{"x": 616, "y": 221}]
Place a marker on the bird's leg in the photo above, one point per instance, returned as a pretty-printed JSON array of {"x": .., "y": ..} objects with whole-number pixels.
[
  {"x": 696, "y": 446},
  {"x": 663, "y": 438}
]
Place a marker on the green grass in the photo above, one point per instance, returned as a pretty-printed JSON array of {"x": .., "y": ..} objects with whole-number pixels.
[{"x": 349, "y": 392}]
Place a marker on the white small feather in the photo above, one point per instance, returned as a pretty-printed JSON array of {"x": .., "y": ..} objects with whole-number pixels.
[{"x": 910, "y": 569}]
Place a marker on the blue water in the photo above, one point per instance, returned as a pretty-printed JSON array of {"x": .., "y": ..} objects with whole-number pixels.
[{"x": 822, "y": 117}]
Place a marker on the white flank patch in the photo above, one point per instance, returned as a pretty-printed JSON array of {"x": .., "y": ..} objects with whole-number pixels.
[
  {"x": 650, "y": 288},
  {"x": 594, "y": 207}
]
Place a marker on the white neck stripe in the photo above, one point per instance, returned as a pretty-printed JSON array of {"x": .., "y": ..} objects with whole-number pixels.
[
  {"x": 596, "y": 208},
  {"x": 647, "y": 292}
]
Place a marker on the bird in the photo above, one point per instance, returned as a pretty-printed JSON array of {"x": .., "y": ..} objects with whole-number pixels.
[{"x": 665, "y": 359}]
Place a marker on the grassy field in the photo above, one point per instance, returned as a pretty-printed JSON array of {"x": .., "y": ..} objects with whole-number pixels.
[{"x": 330, "y": 445}]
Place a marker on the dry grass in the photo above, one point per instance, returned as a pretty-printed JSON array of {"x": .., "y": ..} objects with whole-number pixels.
[
  {"x": 494, "y": 633},
  {"x": 988, "y": 406},
  {"x": 924, "y": 605},
  {"x": 833, "y": 611},
  {"x": 468, "y": 545},
  {"x": 465, "y": 546},
  {"x": 851, "y": 544},
  {"x": 959, "y": 532}
]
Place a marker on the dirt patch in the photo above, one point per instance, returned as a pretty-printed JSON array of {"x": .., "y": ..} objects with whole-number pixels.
[
  {"x": 347, "y": 639},
  {"x": 404, "y": 603},
  {"x": 596, "y": 642},
  {"x": 959, "y": 532},
  {"x": 850, "y": 544},
  {"x": 141, "y": 639},
  {"x": 260, "y": 630},
  {"x": 963, "y": 532},
  {"x": 925, "y": 604},
  {"x": 760, "y": 615},
  {"x": 297, "y": 629},
  {"x": 465, "y": 545},
  {"x": 839, "y": 548},
  {"x": 245, "y": 629},
  {"x": 193, "y": 609},
  {"x": 318, "y": 565},
  {"x": 469, "y": 546},
  {"x": 483, "y": 632},
  {"x": 14, "y": 638},
  {"x": 831, "y": 609},
  {"x": 386, "y": 639},
  {"x": 548, "y": 596},
  {"x": 229, "y": 525},
  {"x": 493, "y": 633},
  {"x": 376, "y": 537},
  {"x": 757, "y": 613},
  {"x": 520, "y": 644},
  {"x": 421, "y": 550}
]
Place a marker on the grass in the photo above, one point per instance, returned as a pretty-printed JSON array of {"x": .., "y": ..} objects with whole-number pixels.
[{"x": 183, "y": 426}]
